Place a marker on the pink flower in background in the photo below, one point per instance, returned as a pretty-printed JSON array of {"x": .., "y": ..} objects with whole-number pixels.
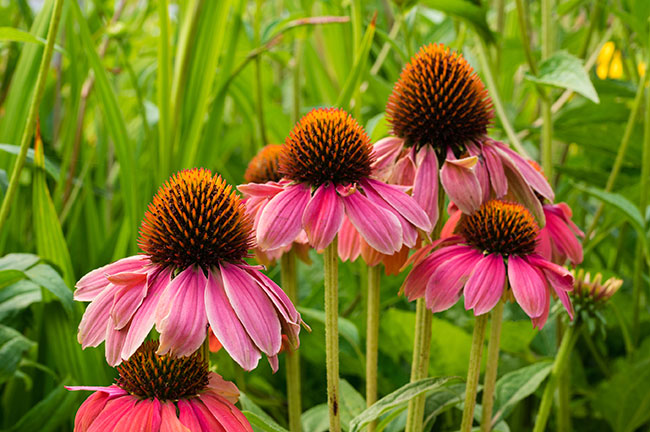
[
  {"x": 195, "y": 236},
  {"x": 558, "y": 240},
  {"x": 439, "y": 112},
  {"x": 493, "y": 245},
  {"x": 327, "y": 159},
  {"x": 162, "y": 394}
]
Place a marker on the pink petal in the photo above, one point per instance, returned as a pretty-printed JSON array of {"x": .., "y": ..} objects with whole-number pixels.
[
  {"x": 226, "y": 413},
  {"x": 169, "y": 421},
  {"x": 495, "y": 168},
  {"x": 403, "y": 172},
  {"x": 226, "y": 325},
  {"x": 559, "y": 278},
  {"x": 522, "y": 192},
  {"x": 184, "y": 326},
  {"x": 404, "y": 204},
  {"x": 532, "y": 177},
  {"x": 188, "y": 418},
  {"x": 563, "y": 237},
  {"x": 281, "y": 220},
  {"x": 208, "y": 422},
  {"x": 450, "y": 226},
  {"x": 143, "y": 417},
  {"x": 263, "y": 190},
  {"x": 379, "y": 227},
  {"x": 349, "y": 245},
  {"x": 112, "y": 413},
  {"x": 127, "y": 300},
  {"x": 253, "y": 308},
  {"x": 528, "y": 286},
  {"x": 89, "y": 410},
  {"x": 443, "y": 288},
  {"x": 539, "y": 321},
  {"x": 415, "y": 283},
  {"x": 425, "y": 186},
  {"x": 566, "y": 214},
  {"x": 112, "y": 390},
  {"x": 385, "y": 151},
  {"x": 114, "y": 343},
  {"x": 485, "y": 286},
  {"x": 461, "y": 184},
  {"x": 223, "y": 388},
  {"x": 94, "y": 282},
  {"x": 323, "y": 216},
  {"x": 92, "y": 328}
]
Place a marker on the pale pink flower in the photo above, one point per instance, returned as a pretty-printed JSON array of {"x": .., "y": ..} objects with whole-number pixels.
[
  {"x": 195, "y": 236},
  {"x": 326, "y": 162},
  {"x": 162, "y": 394},
  {"x": 493, "y": 245}
]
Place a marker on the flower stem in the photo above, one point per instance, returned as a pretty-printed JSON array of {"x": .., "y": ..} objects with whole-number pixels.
[
  {"x": 473, "y": 372},
  {"x": 492, "y": 365},
  {"x": 330, "y": 258},
  {"x": 420, "y": 364},
  {"x": 559, "y": 364},
  {"x": 28, "y": 132},
  {"x": 547, "y": 126},
  {"x": 288, "y": 276},
  {"x": 372, "y": 337}
]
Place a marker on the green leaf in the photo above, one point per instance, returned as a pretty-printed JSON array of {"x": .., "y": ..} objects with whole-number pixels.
[
  {"x": 11, "y": 34},
  {"x": 566, "y": 71},
  {"x": 619, "y": 202},
  {"x": 352, "y": 82},
  {"x": 316, "y": 419},
  {"x": 351, "y": 403},
  {"x": 17, "y": 297},
  {"x": 517, "y": 385},
  {"x": 465, "y": 10},
  {"x": 50, "y": 413},
  {"x": 439, "y": 401},
  {"x": 398, "y": 398},
  {"x": 48, "y": 278},
  {"x": 12, "y": 346},
  {"x": 50, "y": 167},
  {"x": 347, "y": 329},
  {"x": 250, "y": 406},
  {"x": 18, "y": 261},
  {"x": 7, "y": 277},
  {"x": 260, "y": 424}
]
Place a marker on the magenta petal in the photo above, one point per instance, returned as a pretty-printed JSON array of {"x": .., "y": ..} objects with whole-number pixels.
[
  {"x": 404, "y": 204},
  {"x": 379, "y": 227},
  {"x": 226, "y": 325},
  {"x": 89, "y": 410},
  {"x": 444, "y": 286},
  {"x": 127, "y": 300},
  {"x": 485, "y": 286},
  {"x": 281, "y": 220},
  {"x": 226, "y": 413},
  {"x": 183, "y": 328},
  {"x": 187, "y": 417},
  {"x": 262, "y": 190},
  {"x": 169, "y": 419},
  {"x": 563, "y": 236},
  {"x": 94, "y": 282},
  {"x": 425, "y": 185},
  {"x": 461, "y": 184},
  {"x": 349, "y": 245},
  {"x": 92, "y": 328},
  {"x": 143, "y": 417},
  {"x": 528, "y": 286},
  {"x": 112, "y": 413},
  {"x": 385, "y": 151},
  {"x": 253, "y": 308},
  {"x": 415, "y": 283},
  {"x": 111, "y": 390},
  {"x": 208, "y": 422},
  {"x": 532, "y": 177},
  {"x": 114, "y": 343},
  {"x": 495, "y": 168},
  {"x": 323, "y": 216},
  {"x": 559, "y": 278}
]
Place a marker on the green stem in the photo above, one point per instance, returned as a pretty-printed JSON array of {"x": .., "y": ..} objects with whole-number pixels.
[
  {"x": 331, "y": 269},
  {"x": 288, "y": 276},
  {"x": 473, "y": 372},
  {"x": 595, "y": 354},
  {"x": 563, "y": 392},
  {"x": 561, "y": 360},
  {"x": 525, "y": 36},
  {"x": 545, "y": 101},
  {"x": 420, "y": 363},
  {"x": 496, "y": 99},
  {"x": 490, "y": 379},
  {"x": 620, "y": 156},
  {"x": 372, "y": 337}
]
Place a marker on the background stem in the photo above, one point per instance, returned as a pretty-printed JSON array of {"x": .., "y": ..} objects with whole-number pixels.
[
  {"x": 492, "y": 367},
  {"x": 330, "y": 258},
  {"x": 372, "y": 336},
  {"x": 473, "y": 372},
  {"x": 288, "y": 276}
]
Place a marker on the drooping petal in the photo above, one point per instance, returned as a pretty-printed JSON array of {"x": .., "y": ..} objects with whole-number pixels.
[
  {"x": 92, "y": 328},
  {"x": 450, "y": 226},
  {"x": 205, "y": 417},
  {"x": 493, "y": 163},
  {"x": 169, "y": 420},
  {"x": 262, "y": 190},
  {"x": 485, "y": 286},
  {"x": 94, "y": 282},
  {"x": 323, "y": 216},
  {"x": 385, "y": 151},
  {"x": 183, "y": 327},
  {"x": 562, "y": 235},
  {"x": 404, "y": 204},
  {"x": 559, "y": 278},
  {"x": 281, "y": 220},
  {"x": 226, "y": 326},
  {"x": 461, "y": 184},
  {"x": 143, "y": 417},
  {"x": 112, "y": 390},
  {"x": 114, "y": 343},
  {"x": 253, "y": 308},
  {"x": 89, "y": 410},
  {"x": 521, "y": 191},
  {"x": 223, "y": 388},
  {"x": 403, "y": 172},
  {"x": 444, "y": 286},
  {"x": 528, "y": 286},
  {"x": 531, "y": 176},
  {"x": 379, "y": 227},
  {"x": 226, "y": 413},
  {"x": 425, "y": 186},
  {"x": 127, "y": 300},
  {"x": 349, "y": 244},
  {"x": 539, "y": 321}
]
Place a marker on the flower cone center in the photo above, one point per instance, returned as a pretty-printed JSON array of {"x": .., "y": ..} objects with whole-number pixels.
[{"x": 264, "y": 166}]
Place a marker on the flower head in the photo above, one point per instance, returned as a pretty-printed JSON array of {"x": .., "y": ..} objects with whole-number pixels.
[
  {"x": 327, "y": 161},
  {"x": 194, "y": 237},
  {"x": 594, "y": 291},
  {"x": 162, "y": 393},
  {"x": 439, "y": 112},
  {"x": 264, "y": 167},
  {"x": 491, "y": 246}
]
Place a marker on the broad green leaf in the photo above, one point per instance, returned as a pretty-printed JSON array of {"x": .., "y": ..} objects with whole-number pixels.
[
  {"x": 11, "y": 34},
  {"x": 250, "y": 406},
  {"x": 316, "y": 419},
  {"x": 351, "y": 403},
  {"x": 346, "y": 328},
  {"x": 441, "y": 400},
  {"x": 18, "y": 261},
  {"x": 12, "y": 346},
  {"x": 465, "y": 10},
  {"x": 18, "y": 296},
  {"x": 48, "y": 278},
  {"x": 619, "y": 202},
  {"x": 398, "y": 398},
  {"x": 7, "y": 277},
  {"x": 50, "y": 413},
  {"x": 517, "y": 385},
  {"x": 566, "y": 71},
  {"x": 51, "y": 168},
  {"x": 260, "y": 424}
]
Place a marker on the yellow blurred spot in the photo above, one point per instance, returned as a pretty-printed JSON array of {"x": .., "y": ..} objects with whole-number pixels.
[
  {"x": 616, "y": 66},
  {"x": 641, "y": 69},
  {"x": 605, "y": 54}
]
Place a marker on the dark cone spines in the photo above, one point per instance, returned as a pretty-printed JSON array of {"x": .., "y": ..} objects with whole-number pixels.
[
  {"x": 500, "y": 227},
  {"x": 439, "y": 100},
  {"x": 264, "y": 167},
  {"x": 195, "y": 218},
  {"x": 148, "y": 375},
  {"x": 326, "y": 145}
]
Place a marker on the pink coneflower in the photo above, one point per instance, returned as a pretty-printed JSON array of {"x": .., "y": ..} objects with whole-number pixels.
[
  {"x": 162, "y": 393},
  {"x": 327, "y": 161},
  {"x": 439, "y": 112},
  {"x": 195, "y": 236},
  {"x": 263, "y": 171},
  {"x": 494, "y": 243}
]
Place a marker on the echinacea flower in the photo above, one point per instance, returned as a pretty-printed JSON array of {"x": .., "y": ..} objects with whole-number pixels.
[
  {"x": 194, "y": 237},
  {"x": 493, "y": 245},
  {"x": 327, "y": 162},
  {"x": 162, "y": 393},
  {"x": 595, "y": 291},
  {"x": 439, "y": 112},
  {"x": 263, "y": 170}
]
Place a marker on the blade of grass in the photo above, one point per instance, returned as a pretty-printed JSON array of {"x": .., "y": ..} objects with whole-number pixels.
[
  {"x": 163, "y": 92},
  {"x": 352, "y": 83}
]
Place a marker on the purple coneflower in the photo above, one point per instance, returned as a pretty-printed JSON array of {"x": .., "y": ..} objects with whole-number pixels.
[{"x": 194, "y": 237}]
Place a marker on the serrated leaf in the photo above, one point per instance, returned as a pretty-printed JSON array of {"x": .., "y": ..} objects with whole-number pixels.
[
  {"x": 398, "y": 398},
  {"x": 12, "y": 346},
  {"x": 517, "y": 385},
  {"x": 566, "y": 71},
  {"x": 48, "y": 278}
]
